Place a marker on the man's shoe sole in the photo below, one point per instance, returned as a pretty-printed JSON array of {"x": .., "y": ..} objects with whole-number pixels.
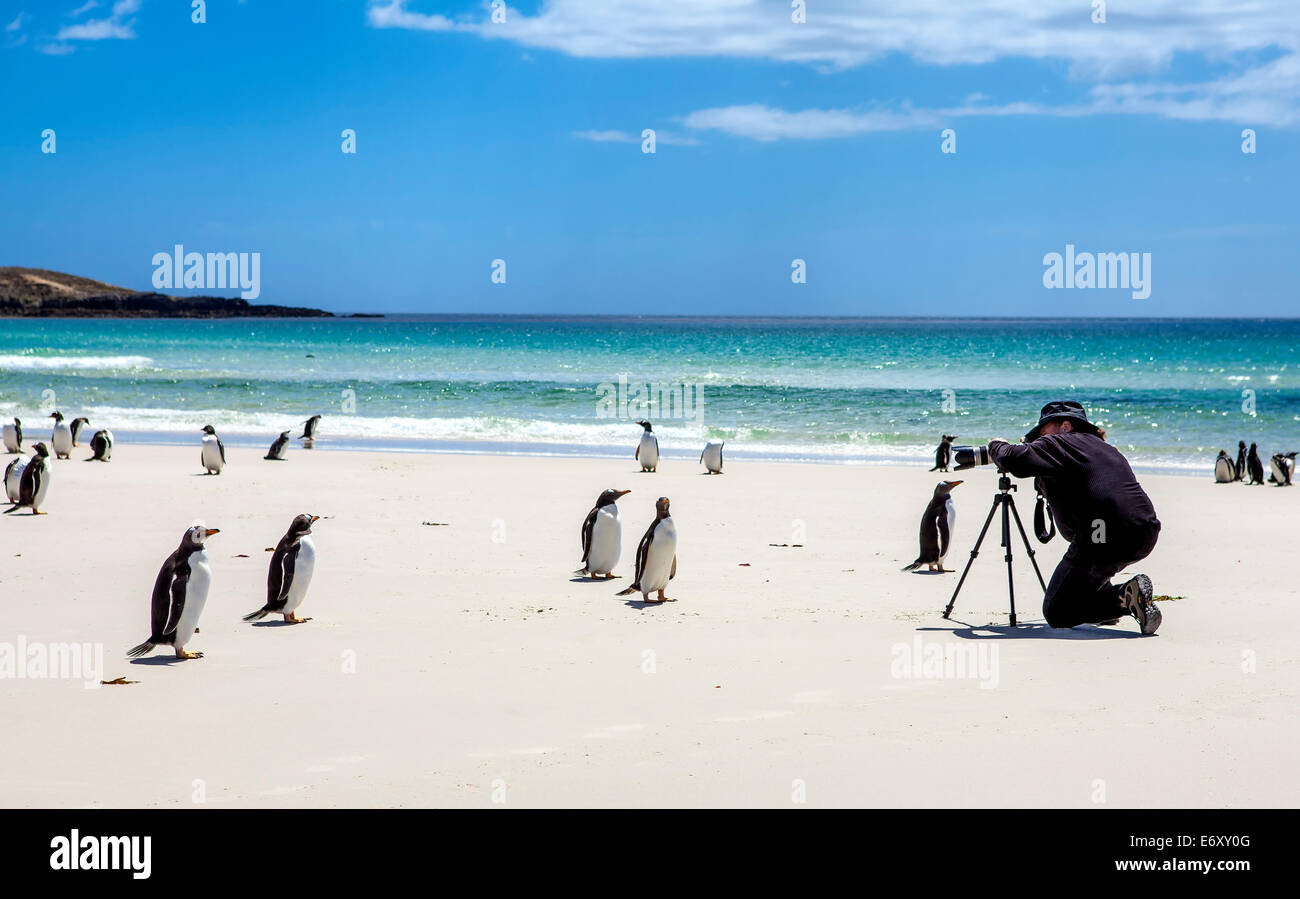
[{"x": 1137, "y": 599}]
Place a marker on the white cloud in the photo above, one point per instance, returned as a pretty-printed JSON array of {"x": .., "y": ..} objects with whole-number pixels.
[
  {"x": 115, "y": 26},
  {"x": 84, "y": 8},
  {"x": 1136, "y": 43},
  {"x": 16, "y": 23},
  {"x": 603, "y": 137}
]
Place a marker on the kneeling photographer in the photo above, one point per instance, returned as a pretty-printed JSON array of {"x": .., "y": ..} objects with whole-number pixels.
[{"x": 1099, "y": 507}]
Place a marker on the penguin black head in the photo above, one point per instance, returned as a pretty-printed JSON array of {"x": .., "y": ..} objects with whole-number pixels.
[
  {"x": 301, "y": 525},
  {"x": 1241, "y": 444},
  {"x": 610, "y": 496},
  {"x": 56, "y": 415},
  {"x": 195, "y": 536},
  {"x": 81, "y": 418},
  {"x": 945, "y": 487},
  {"x": 284, "y": 435},
  {"x": 661, "y": 507},
  {"x": 208, "y": 429},
  {"x": 18, "y": 423},
  {"x": 41, "y": 450},
  {"x": 645, "y": 424},
  {"x": 1254, "y": 447}
]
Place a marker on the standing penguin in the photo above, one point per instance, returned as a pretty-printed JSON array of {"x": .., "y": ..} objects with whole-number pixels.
[
  {"x": 1224, "y": 471},
  {"x": 214, "y": 451},
  {"x": 937, "y": 523},
  {"x": 1254, "y": 465},
  {"x": 77, "y": 424},
  {"x": 279, "y": 449},
  {"x": 1241, "y": 459},
  {"x": 1282, "y": 464},
  {"x": 602, "y": 536},
  {"x": 647, "y": 451},
  {"x": 14, "y": 478},
  {"x": 61, "y": 439},
  {"x": 13, "y": 434},
  {"x": 943, "y": 454},
  {"x": 656, "y": 557},
  {"x": 101, "y": 446},
  {"x": 179, "y": 595},
  {"x": 712, "y": 456},
  {"x": 290, "y": 572},
  {"x": 309, "y": 430},
  {"x": 35, "y": 481}
]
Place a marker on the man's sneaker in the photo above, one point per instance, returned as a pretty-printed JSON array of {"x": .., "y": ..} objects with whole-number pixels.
[{"x": 1137, "y": 599}]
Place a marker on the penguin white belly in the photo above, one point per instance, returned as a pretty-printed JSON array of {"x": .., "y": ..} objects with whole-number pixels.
[
  {"x": 196, "y": 595},
  {"x": 108, "y": 445},
  {"x": 1223, "y": 472},
  {"x": 44, "y": 486},
  {"x": 62, "y": 439},
  {"x": 212, "y": 454},
  {"x": 11, "y": 439},
  {"x": 713, "y": 456},
  {"x": 951, "y": 511},
  {"x": 648, "y": 451},
  {"x": 606, "y": 541},
  {"x": 659, "y": 557},
  {"x": 13, "y": 478},
  {"x": 302, "y": 570},
  {"x": 1279, "y": 470}
]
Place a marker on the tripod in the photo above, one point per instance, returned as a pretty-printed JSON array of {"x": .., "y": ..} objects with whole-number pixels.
[{"x": 1008, "y": 503}]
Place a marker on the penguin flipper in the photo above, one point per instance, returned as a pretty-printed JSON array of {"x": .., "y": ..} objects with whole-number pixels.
[{"x": 672, "y": 574}]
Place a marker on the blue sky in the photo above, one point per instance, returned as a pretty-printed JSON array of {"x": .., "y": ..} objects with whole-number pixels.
[{"x": 777, "y": 140}]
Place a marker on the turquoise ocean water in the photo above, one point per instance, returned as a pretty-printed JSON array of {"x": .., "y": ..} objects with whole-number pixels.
[{"x": 1172, "y": 393}]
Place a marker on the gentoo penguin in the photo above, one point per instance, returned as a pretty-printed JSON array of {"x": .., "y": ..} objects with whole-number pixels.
[
  {"x": 602, "y": 536},
  {"x": 309, "y": 429},
  {"x": 1254, "y": 466},
  {"x": 943, "y": 455},
  {"x": 35, "y": 481},
  {"x": 1224, "y": 471},
  {"x": 279, "y": 448},
  {"x": 214, "y": 451},
  {"x": 290, "y": 572},
  {"x": 13, "y": 478},
  {"x": 1283, "y": 464},
  {"x": 179, "y": 594},
  {"x": 61, "y": 439},
  {"x": 77, "y": 424},
  {"x": 656, "y": 557},
  {"x": 712, "y": 456},
  {"x": 937, "y": 523},
  {"x": 14, "y": 437},
  {"x": 101, "y": 445},
  {"x": 1241, "y": 460},
  {"x": 647, "y": 451}
]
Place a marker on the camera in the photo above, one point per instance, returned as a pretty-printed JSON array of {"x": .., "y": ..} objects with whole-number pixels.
[{"x": 970, "y": 456}]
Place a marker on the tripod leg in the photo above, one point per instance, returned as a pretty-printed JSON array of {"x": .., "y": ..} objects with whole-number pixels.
[
  {"x": 971, "y": 561},
  {"x": 1029, "y": 549},
  {"x": 1008, "y": 505}
]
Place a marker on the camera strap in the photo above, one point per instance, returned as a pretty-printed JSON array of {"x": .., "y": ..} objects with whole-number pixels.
[{"x": 1044, "y": 521}]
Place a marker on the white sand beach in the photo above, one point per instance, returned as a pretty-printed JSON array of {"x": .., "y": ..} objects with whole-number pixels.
[{"x": 463, "y": 665}]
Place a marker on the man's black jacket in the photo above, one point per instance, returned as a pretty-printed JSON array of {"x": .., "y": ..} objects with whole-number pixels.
[{"x": 1085, "y": 480}]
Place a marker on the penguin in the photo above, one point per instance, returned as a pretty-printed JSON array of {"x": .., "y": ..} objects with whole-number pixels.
[
  {"x": 943, "y": 455},
  {"x": 76, "y": 426},
  {"x": 214, "y": 451},
  {"x": 1241, "y": 459},
  {"x": 656, "y": 557},
  {"x": 290, "y": 572},
  {"x": 1283, "y": 464},
  {"x": 1256, "y": 467},
  {"x": 61, "y": 439},
  {"x": 309, "y": 428},
  {"x": 602, "y": 536},
  {"x": 101, "y": 446},
  {"x": 712, "y": 456},
  {"x": 647, "y": 451},
  {"x": 35, "y": 481},
  {"x": 179, "y": 594},
  {"x": 13, "y": 478},
  {"x": 937, "y": 523},
  {"x": 13, "y": 434},
  {"x": 279, "y": 448},
  {"x": 1224, "y": 471}
]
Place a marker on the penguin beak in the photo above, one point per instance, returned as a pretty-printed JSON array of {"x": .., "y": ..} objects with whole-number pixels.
[
  {"x": 315, "y": 518},
  {"x": 208, "y": 532},
  {"x": 622, "y": 492},
  {"x": 952, "y": 484}
]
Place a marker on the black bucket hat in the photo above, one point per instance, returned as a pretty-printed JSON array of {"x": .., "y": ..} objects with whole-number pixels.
[{"x": 1066, "y": 410}]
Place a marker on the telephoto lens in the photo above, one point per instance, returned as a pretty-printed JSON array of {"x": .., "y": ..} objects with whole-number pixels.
[{"x": 970, "y": 456}]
